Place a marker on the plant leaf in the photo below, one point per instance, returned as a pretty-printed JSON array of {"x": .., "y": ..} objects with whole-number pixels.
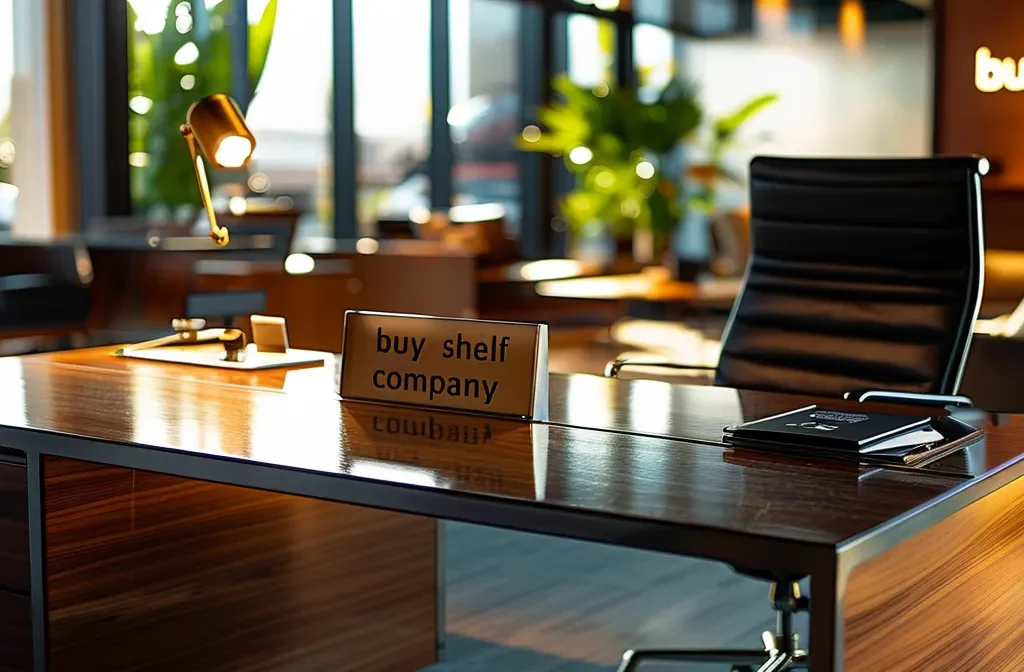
[
  {"x": 260, "y": 35},
  {"x": 546, "y": 143},
  {"x": 728, "y": 125}
]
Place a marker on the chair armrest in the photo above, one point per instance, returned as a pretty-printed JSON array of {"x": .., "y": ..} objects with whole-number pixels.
[
  {"x": 24, "y": 281},
  {"x": 911, "y": 398},
  {"x": 612, "y": 368}
]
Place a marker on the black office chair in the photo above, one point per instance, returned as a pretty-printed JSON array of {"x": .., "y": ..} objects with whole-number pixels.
[
  {"x": 44, "y": 286},
  {"x": 864, "y": 282}
]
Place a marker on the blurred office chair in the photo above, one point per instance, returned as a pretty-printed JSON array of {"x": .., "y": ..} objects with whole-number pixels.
[
  {"x": 864, "y": 274},
  {"x": 45, "y": 286},
  {"x": 395, "y": 227}
]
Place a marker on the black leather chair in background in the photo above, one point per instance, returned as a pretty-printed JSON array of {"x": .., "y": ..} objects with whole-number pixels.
[
  {"x": 44, "y": 286},
  {"x": 864, "y": 274}
]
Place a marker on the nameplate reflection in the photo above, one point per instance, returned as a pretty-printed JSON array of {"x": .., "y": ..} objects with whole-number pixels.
[
  {"x": 492, "y": 455},
  {"x": 432, "y": 428}
]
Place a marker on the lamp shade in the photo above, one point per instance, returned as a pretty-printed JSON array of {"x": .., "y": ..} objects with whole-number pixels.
[{"x": 219, "y": 128}]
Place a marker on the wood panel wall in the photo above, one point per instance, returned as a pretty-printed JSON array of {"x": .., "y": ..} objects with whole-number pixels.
[
  {"x": 969, "y": 121},
  {"x": 60, "y": 88}
]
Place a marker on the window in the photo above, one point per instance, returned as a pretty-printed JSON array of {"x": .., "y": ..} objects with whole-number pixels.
[
  {"x": 591, "y": 50},
  {"x": 654, "y": 57},
  {"x": 180, "y": 51},
  {"x": 174, "y": 58},
  {"x": 290, "y": 114},
  {"x": 278, "y": 57},
  {"x": 391, "y": 72},
  {"x": 485, "y": 104}
]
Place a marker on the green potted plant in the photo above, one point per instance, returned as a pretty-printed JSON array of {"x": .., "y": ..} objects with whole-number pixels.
[
  {"x": 617, "y": 146},
  {"x": 620, "y": 150}
]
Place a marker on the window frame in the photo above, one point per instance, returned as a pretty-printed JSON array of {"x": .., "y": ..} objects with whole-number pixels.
[{"x": 100, "y": 43}]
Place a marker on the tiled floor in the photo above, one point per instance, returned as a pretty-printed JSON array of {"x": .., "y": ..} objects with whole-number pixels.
[{"x": 521, "y": 602}]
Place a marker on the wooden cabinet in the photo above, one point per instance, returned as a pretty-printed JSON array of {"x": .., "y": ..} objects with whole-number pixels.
[
  {"x": 14, "y": 572},
  {"x": 15, "y": 604},
  {"x": 15, "y": 632}
]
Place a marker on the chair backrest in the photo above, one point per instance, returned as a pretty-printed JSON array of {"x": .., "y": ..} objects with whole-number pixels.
[
  {"x": 65, "y": 262},
  {"x": 863, "y": 274}
]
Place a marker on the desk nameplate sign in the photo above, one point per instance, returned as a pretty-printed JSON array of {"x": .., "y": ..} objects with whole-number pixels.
[{"x": 482, "y": 366}]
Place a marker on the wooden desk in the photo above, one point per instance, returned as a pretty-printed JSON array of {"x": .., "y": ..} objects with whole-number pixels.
[
  {"x": 653, "y": 285},
  {"x": 650, "y": 294},
  {"x": 150, "y": 491}
]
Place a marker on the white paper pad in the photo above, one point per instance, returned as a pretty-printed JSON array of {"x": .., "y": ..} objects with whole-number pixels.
[{"x": 213, "y": 356}]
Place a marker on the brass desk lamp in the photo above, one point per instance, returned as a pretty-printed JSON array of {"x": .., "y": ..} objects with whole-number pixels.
[
  {"x": 217, "y": 125},
  {"x": 193, "y": 332}
]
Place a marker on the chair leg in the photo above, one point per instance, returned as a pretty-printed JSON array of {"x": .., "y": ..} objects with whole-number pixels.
[
  {"x": 781, "y": 648},
  {"x": 743, "y": 660},
  {"x": 777, "y": 663}
]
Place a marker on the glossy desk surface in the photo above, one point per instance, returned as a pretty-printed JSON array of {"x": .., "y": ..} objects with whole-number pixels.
[
  {"x": 653, "y": 284},
  {"x": 596, "y": 472}
]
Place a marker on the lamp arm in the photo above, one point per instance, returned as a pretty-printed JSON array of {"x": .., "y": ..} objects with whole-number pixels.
[{"x": 219, "y": 234}]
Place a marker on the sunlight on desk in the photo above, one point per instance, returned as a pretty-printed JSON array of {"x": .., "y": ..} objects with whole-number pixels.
[{"x": 670, "y": 341}]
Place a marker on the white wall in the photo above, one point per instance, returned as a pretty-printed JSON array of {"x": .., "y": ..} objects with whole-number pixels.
[
  {"x": 31, "y": 122},
  {"x": 832, "y": 101}
]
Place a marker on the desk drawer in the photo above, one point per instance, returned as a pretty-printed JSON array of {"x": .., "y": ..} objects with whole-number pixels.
[
  {"x": 15, "y": 633},
  {"x": 14, "y": 573}
]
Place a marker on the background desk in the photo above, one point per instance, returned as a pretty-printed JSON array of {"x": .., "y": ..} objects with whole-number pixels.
[{"x": 115, "y": 449}]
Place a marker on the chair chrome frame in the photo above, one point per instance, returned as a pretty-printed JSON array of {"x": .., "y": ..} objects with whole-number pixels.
[
  {"x": 612, "y": 368},
  {"x": 781, "y": 649}
]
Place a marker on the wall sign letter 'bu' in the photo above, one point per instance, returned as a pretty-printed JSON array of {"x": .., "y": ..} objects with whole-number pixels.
[
  {"x": 498, "y": 368},
  {"x": 993, "y": 74}
]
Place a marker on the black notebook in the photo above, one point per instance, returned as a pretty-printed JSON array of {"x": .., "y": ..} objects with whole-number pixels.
[{"x": 865, "y": 437}]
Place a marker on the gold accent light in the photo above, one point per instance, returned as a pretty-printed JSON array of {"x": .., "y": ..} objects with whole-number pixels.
[{"x": 216, "y": 124}]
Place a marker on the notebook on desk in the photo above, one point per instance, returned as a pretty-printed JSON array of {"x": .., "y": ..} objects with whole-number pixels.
[{"x": 871, "y": 438}]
